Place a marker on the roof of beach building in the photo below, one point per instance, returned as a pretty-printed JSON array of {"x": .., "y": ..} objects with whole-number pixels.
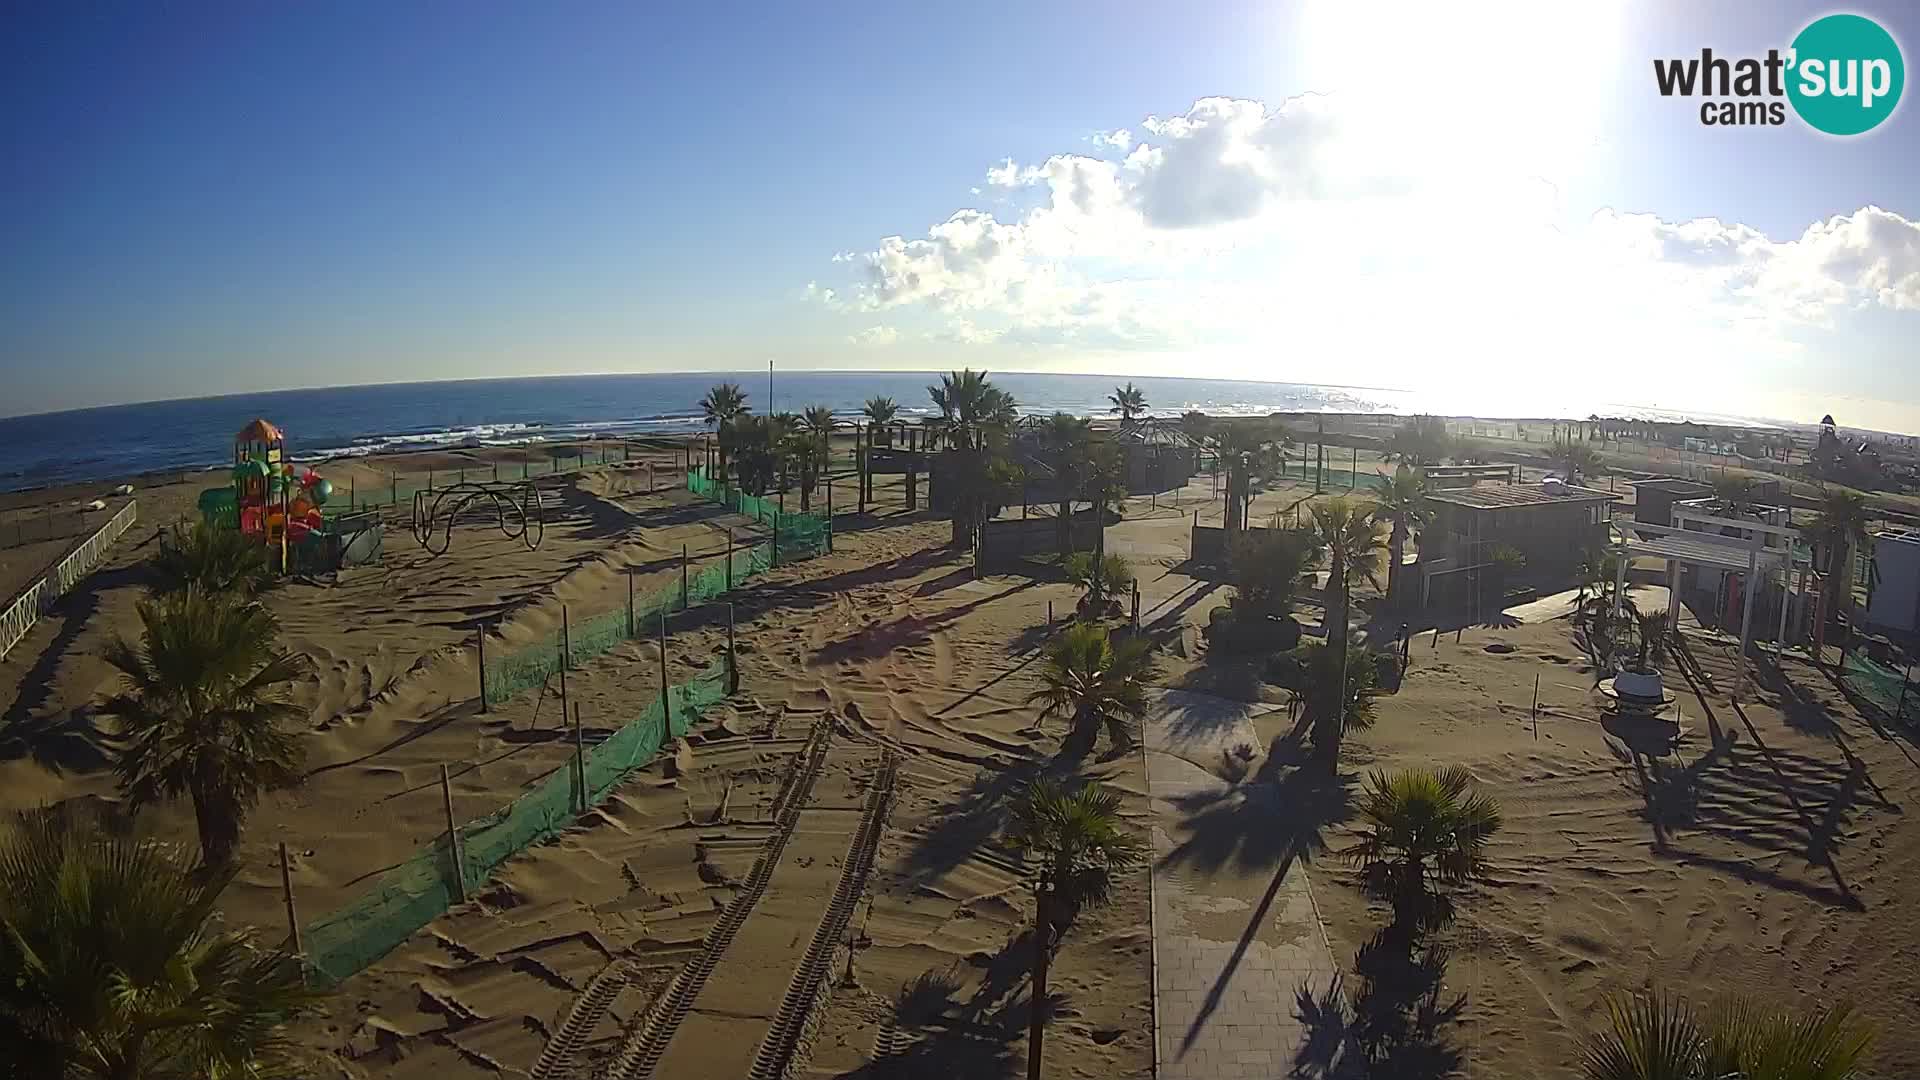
[
  {"x": 259, "y": 431},
  {"x": 1501, "y": 496}
]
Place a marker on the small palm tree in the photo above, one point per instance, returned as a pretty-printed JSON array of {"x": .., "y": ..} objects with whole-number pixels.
[
  {"x": 1066, "y": 442},
  {"x": 1403, "y": 501},
  {"x": 1354, "y": 541},
  {"x": 1130, "y": 402},
  {"x": 202, "y": 712},
  {"x": 1103, "y": 579},
  {"x": 119, "y": 967},
  {"x": 1656, "y": 1036},
  {"x": 1251, "y": 451},
  {"x": 1423, "y": 827},
  {"x": 1577, "y": 460},
  {"x": 1421, "y": 441},
  {"x": 1097, "y": 681},
  {"x": 879, "y": 411},
  {"x": 215, "y": 560},
  {"x": 1654, "y": 645},
  {"x": 723, "y": 406},
  {"x": 1839, "y": 527},
  {"x": 1082, "y": 844},
  {"x": 1360, "y": 684}
]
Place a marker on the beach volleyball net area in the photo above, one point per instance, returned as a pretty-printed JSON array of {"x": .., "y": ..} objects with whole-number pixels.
[{"x": 417, "y": 891}]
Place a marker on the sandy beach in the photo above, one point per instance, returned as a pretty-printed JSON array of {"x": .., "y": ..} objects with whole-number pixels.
[{"x": 1769, "y": 857}]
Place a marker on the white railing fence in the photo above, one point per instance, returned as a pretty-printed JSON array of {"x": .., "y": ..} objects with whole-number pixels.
[{"x": 70, "y": 571}]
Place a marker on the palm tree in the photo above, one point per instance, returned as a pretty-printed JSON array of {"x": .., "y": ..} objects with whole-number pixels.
[
  {"x": 1651, "y": 631},
  {"x": 1352, "y": 538},
  {"x": 815, "y": 428},
  {"x": 1130, "y": 402},
  {"x": 975, "y": 418},
  {"x": 119, "y": 967},
  {"x": 1097, "y": 681},
  {"x": 1422, "y": 441},
  {"x": 1577, "y": 460},
  {"x": 1102, "y": 577},
  {"x": 724, "y": 404},
  {"x": 202, "y": 713},
  {"x": 1422, "y": 827},
  {"x": 1839, "y": 527},
  {"x": 1403, "y": 500},
  {"x": 879, "y": 411},
  {"x": 1250, "y": 450},
  {"x": 1656, "y": 1036},
  {"x": 1066, "y": 441},
  {"x": 1734, "y": 493},
  {"x": 211, "y": 559},
  {"x": 1359, "y": 683},
  {"x": 1082, "y": 844}
]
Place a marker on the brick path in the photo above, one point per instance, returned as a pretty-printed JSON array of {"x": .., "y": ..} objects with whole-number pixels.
[{"x": 1235, "y": 938}]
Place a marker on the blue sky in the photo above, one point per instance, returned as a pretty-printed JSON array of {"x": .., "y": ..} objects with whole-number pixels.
[{"x": 210, "y": 198}]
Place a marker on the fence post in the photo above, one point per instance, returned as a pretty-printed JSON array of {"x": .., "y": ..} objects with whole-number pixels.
[
  {"x": 480, "y": 642},
  {"x": 630, "y": 627},
  {"x": 684, "y": 595},
  {"x": 829, "y": 514},
  {"x": 580, "y": 759},
  {"x": 564, "y": 644},
  {"x": 776, "y": 542},
  {"x": 1900, "y": 712},
  {"x": 729, "y": 558},
  {"x": 566, "y": 641},
  {"x": 393, "y": 489},
  {"x": 733, "y": 660},
  {"x": 453, "y": 839},
  {"x": 1049, "y": 613},
  {"x": 286, "y": 890},
  {"x": 1136, "y": 606},
  {"x": 666, "y": 695},
  {"x": 429, "y": 479}
]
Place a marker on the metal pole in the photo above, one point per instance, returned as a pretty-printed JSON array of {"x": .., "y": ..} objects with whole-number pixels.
[
  {"x": 729, "y": 558},
  {"x": 480, "y": 642},
  {"x": 453, "y": 838},
  {"x": 829, "y": 514},
  {"x": 286, "y": 890},
  {"x": 684, "y": 594},
  {"x": 733, "y": 659},
  {"x": 580, "y": 758},
  {"x": 1900, "y": 711},
  {"x": 630, "y": 626},
  {"x": 566, "y": 641},
  {"x": 1536, "y": 708}
]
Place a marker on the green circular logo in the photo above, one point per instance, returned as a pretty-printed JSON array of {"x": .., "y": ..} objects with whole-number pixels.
[{"x": 1846, "y": 74}]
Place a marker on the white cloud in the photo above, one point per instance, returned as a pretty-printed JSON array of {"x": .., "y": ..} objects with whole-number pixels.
[
  {"x": 1317, "y": 239},
  {"x": 875, "y": 336}
]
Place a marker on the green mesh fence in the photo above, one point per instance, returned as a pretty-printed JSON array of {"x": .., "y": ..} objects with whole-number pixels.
[
  {"x": 800, "y": 534},
  {"x": 1881, "y": 686},
  {"x": 419, "y": 890}
]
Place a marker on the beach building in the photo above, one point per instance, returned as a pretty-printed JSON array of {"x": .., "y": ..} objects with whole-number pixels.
[
  {"x": 1653, "y": 499},
  {"x": 1553, "y": 526},
  {"x": 1894, "y": 601}
]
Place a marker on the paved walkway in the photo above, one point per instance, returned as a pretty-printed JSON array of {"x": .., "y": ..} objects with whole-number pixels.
[{"x": 1235, "y": 933}]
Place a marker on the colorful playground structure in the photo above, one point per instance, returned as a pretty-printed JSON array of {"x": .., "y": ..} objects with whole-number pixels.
[{"x": 285, "y": 508}]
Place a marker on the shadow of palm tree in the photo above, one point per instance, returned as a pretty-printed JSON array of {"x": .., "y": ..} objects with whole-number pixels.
[
  {"x": 1284, "y": 811},
  {"x": 1396, "y": 1023}
]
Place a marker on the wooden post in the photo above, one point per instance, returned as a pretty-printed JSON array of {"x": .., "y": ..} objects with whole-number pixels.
[
  {"x": 393, "y": 489},
  {"x": 429, "y": 479},
  {"x": 1049, "y": 613},
  {"x": 666, "y": 698},
  {"x": 453, "y": 839},
  {"x": 733, "y": 659},
  {"x": 729, "y": 558},
  {"x": 480, "y": 642},
  {"x": 1353, "y": 474},
  {"x": 1037, "y": 1023},
  {"x": 566, "y": 642},
  {"x": 684, "y": 594},
  {"x": 631, "y": 628},
  {"x": 1536, "y": 708},
  {"x": 286, "y": 890},
  {"x": 829, "y": 514},
  {"x": 580, "y": 759},
  {"x": 1136, "y": 607}
]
